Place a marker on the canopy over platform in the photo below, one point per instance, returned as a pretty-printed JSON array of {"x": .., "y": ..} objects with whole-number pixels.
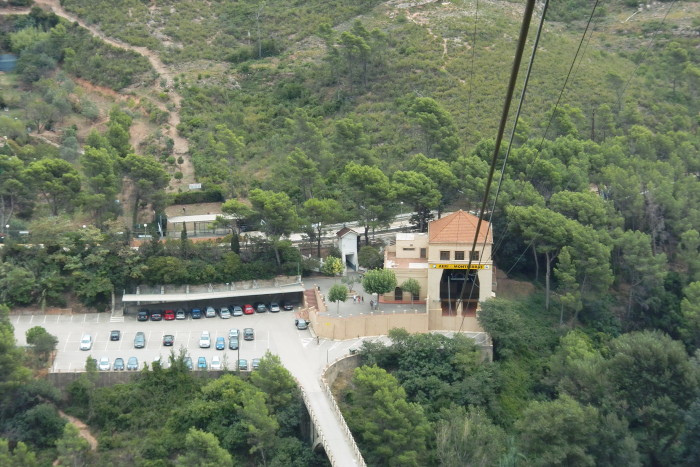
[{"x": 183, "y": 297}]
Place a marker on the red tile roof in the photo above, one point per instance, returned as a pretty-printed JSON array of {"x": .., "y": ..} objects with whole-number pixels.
[
  {"x": 458, "y": 227},
  {"x": 344, "y": 231}
]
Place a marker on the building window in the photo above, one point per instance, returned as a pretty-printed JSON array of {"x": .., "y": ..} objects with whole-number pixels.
[
  {"x": 409, "y": 249},
  {"x": 474, "y": 255},
  {"x": 423, "y": 253},
  {"x": 398, "y": 294},
  {"x": 416, "y": 296},
  {"x": 459, "y": 255},
  {"x": 445, "y": 255}
]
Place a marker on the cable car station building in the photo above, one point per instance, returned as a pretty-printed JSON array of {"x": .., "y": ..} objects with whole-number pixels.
[{"x": 439, "y": 260}]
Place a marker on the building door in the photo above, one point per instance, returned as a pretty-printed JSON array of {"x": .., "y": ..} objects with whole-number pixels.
[
  {"x": 398, "y": 294},
  {"x": 458, "y": 289}
]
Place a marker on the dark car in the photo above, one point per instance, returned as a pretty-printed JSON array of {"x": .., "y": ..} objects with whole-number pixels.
[
  {"x": 188, "y": 362},
  {"x": 168, "y": 340},
  {"x": 260, "y": 308},
  {"x": 233, "y": 343},
  {"x": 220, "y": 343},
  {"x": 118, "y": 364},
  {"x": 156, "y": 315},
  {"x": 143, "y": 315},
  {"x": 196, "y": 313},
  {"x": 132, "y": 364},
  {"x": 287, "y": 306},
  {"x": 248, "y": 334},
  {"x": 139, "y": 340},
  {"x": 169, "y": 315},
  {"x": 242, "y": 364},
  {"x": 115, "y": 335}
]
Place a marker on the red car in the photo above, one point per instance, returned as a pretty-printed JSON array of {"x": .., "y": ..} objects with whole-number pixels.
[
  {"x": 168, "y": 315},
  {"x": 248, "y": 309}
]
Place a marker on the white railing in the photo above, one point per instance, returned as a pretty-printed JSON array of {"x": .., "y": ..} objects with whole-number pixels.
[{"x": 339, "y": 414}]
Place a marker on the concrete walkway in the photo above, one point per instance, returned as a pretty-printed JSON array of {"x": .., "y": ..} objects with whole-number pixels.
[{"x": 306, "y": 360}]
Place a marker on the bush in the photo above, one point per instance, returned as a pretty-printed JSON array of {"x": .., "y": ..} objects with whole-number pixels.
[{"x": 211, "y": 195}]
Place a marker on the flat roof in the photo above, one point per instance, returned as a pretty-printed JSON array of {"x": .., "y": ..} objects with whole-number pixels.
[
  {"x": 183, "y": 297},
  {"x": 198, "y": 218}
]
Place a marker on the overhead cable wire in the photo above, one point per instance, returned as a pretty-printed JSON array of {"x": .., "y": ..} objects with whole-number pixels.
[
  {"x": 522, "y": 38},
  {"x": 521, "y": 101},
  {"x": 562, "y": 92}
]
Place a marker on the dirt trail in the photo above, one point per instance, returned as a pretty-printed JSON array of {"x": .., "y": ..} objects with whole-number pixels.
[
  {"x": 83, "y": 429},
  {"x": 180, "y": 147}
]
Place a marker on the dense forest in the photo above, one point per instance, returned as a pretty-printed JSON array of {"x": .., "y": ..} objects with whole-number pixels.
[{"x": 302, "y": 114}]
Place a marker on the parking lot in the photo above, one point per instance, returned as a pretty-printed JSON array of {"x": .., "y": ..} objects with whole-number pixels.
[{"x": 70, "y": 329}]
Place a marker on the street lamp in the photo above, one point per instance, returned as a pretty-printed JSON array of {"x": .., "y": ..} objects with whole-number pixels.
[{"x": 145, "y": 231}]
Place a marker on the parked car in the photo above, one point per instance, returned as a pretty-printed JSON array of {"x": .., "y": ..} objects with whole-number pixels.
[
  {"x": 168, "y": 340},
  {"x": 180, "y": 314},
  {"x": 104, "y": 364},
  {"x": 139, "y": 340},
  {"x": 233, "y": 343},
  {"x": 233, "y": 332},
  {"x": 236, "y": 310},
  {"x": 301, "y": 324},
  {"x": 255, "y": 364},
  {"x": 169, "y": 315},
  {"x": 188, "y": 362},
  {"x": 210, "y": 312},
  {"x": 287, "y": 306},
  {"x": 248, "y": 334},
  {"x": 205, "y": 340},
  {"x": 115, "y": 335},
  {"x": 196, "y": 313},
  {"x": 215, "y": 363},
  {"x": 225, "y": 313},
  {"x": 220, "y": 343},
  {"x": 86, "y": 342},
  {"x": 118, "y": 364},
  {"x": 156, "y": 315},
  {"x": 143, "y": 315},
  {"x": 132, "y": 364},
  {"x": 274, "y": 307},
  {"x": 242, "y": 364},
  {"x": 260, "y": 308},
  {"x": 202, "y": 363},
  {"x": 248, "y": 309}
]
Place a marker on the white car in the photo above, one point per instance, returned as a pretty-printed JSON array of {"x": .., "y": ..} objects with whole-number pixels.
[
  {"x": 234, "y": 333},
  {"x": 104, "y": 364},
  {"x": 215, "y": 363},
  {"x": 205, "y": 340},
  {"x": 86, "y": 342}
]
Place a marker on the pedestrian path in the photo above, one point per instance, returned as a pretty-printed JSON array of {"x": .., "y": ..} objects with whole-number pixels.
[{"x": 305, "y": 359}]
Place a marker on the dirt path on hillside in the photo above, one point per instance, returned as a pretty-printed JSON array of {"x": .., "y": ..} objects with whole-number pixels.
[
  {"x": 83, "y": 429},
  {"x": 181, "y": 146}
]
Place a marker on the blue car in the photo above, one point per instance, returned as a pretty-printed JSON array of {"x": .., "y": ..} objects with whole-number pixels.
[
  {"x": 220, "y": 343},
  {"x": 202, "y": 363}
]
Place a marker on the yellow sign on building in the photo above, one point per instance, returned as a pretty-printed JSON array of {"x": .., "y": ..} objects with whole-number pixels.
[{"x": 460, "y": 266}]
